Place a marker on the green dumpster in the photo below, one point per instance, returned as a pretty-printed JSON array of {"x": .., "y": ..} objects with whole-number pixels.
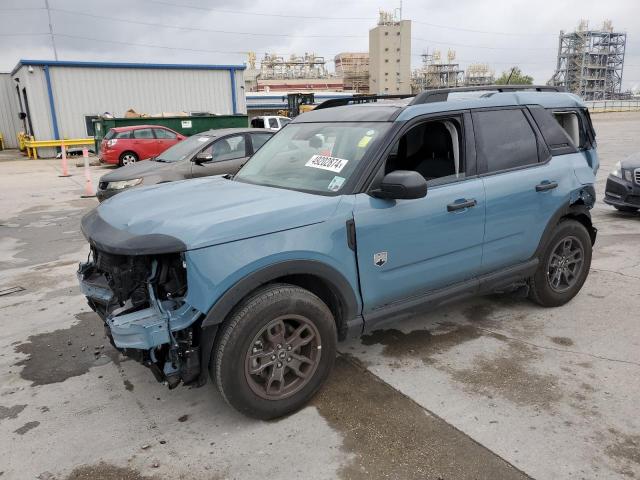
[{"x": 184, "y": 125}]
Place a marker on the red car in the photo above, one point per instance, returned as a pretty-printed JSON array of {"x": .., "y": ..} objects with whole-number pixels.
[{"x": 124, "y": 145}]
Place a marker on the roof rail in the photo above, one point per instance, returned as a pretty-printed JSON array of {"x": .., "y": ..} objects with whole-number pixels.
[
  {"x": 442, "y": 94},
  {"x": 356, "y": 99}
]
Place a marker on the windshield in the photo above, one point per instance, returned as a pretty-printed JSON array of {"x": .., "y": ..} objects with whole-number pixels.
[
  {"x": 316, "y": 157},
  {"x": 184, "y": 149}
]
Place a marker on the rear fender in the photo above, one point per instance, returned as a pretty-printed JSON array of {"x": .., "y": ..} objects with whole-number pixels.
[{"x": 578, "y": 210}]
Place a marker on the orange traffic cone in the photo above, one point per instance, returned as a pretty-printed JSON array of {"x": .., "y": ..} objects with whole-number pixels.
[
  {"x": 88, "y": 186},
  {"x": 65, "y": 169}
]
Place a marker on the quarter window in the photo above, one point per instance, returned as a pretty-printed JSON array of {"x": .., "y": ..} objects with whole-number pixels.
[
  {"x": 273, "y": 123},
  {"x": 164, "y": 134},
  {"x": 505, "y": 139}
]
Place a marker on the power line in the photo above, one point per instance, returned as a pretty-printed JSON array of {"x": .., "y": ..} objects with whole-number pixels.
[
  {"x": 23, "y": 34},
  {"x": 260, "y": 14},
  {"x": 19, "y": 9},
  {"x": 318, "y": 17},
  {"x": 197, "y": 29},
  {"x": 280, "y": 35},
  {"x": 149, "y": 45},
  {"x": 470, "y": 30},
  {"x": 452, "y": 44},
  {"x": 244, "y": 52}
]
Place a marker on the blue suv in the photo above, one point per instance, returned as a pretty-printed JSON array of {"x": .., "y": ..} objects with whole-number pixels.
[{"x": 350, "y": 217}]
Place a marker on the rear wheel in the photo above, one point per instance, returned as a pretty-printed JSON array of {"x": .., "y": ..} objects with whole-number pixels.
[
  {"x": 127, "y": 157},
  {"x": 626, "y": 209},
  {"x": 564, "y": 265},
  {"x": 275, "y": 351}
]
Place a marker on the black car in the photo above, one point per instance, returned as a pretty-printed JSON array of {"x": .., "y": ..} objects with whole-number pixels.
[
  {"x": 214, "y": 152},
  {"x": 623, "y": 185}
]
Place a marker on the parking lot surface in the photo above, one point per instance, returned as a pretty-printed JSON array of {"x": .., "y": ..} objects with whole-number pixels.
[{"x": 490, "y": 388}]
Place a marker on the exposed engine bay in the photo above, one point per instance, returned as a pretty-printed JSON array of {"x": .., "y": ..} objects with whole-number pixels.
[{"x": 141, "y": 301}]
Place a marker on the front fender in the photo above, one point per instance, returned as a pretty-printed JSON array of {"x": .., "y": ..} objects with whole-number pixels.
[
  {"x": 218, "y": 277},
  {"x": 339, "y": 284}
]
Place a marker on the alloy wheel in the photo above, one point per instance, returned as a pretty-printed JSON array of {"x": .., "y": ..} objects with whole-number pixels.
[
  {"x": 128, "y": 158},
  {"x": 565, "y": 264},
  {"x": 283, "y": 357}
]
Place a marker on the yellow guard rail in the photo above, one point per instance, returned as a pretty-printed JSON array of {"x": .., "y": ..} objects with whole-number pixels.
[{"x": 32, "y": 145}]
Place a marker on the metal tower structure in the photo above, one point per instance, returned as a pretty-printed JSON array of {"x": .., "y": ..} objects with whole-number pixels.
[
  {"x": 308, "y": 65},
  {"x": 590, "y": 62},
  {"x": 478, "y": 74},
  {"x": 436, "y": 74},
  {"x": 354, "y": 69}
]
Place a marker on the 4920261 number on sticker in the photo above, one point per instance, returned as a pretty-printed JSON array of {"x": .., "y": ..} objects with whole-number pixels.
[{"x": 324, "y": 162}]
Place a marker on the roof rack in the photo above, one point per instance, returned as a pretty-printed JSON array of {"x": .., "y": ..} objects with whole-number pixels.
[
  {"x": 441, "y": 94},
  {"x": 357, "y": 99}
]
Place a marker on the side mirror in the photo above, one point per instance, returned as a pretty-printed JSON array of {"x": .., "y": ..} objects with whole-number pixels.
[
  {"x": 203, "y": 157},
  {"x": 401, "y": 185}
]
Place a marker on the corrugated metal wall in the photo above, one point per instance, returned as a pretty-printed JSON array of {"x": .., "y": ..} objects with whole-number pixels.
[
  {"x": 10, "y": 124},
  {"x": 86, "y": 91},
  {"x": 35, "y": 85}
]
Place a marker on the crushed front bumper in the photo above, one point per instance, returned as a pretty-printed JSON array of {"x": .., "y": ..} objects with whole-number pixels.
[{"x": 131, "y": 328}]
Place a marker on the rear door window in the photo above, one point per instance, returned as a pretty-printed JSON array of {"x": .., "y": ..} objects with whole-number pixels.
[
  {"x": 504, "y": 139},
  {"x": 143, "y": 133}
]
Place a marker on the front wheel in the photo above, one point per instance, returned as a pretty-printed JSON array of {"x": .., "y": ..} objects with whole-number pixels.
[
  {"x": 275, "y": 351},
  {"x": 564, "y": 265}
]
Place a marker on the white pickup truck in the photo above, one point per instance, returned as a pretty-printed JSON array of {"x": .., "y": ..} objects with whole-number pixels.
[{"x": 274, "y": 123}]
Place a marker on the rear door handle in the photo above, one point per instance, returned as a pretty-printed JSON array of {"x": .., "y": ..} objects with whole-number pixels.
[
  {"x": 546, "y": 185},
  {"x": 460, "y": 205}
]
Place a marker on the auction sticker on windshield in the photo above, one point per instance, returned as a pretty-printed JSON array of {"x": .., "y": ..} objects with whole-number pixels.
[{"x": 324, "y": 162}]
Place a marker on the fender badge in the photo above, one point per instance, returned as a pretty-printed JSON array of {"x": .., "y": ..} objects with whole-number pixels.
[{"x": 379, "y": 259}]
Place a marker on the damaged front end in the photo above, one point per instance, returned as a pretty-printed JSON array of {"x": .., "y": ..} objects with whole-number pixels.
[{"x": 141, "y": 299}]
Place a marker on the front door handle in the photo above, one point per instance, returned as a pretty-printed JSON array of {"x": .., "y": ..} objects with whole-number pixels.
[
  {"x": 460, "y": 205},
  {"x": 546, "y": 185}
]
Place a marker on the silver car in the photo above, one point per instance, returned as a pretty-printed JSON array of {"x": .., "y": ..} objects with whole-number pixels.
[{"x": 214, "y": 152}]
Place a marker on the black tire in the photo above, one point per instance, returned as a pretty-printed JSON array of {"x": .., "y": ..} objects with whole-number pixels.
[
  {"x": 126, "y": 158},
  {"x": 625, "y": 209},
  {"x": 541, "y": 289},
  {"x": 231, "y": 363}
]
